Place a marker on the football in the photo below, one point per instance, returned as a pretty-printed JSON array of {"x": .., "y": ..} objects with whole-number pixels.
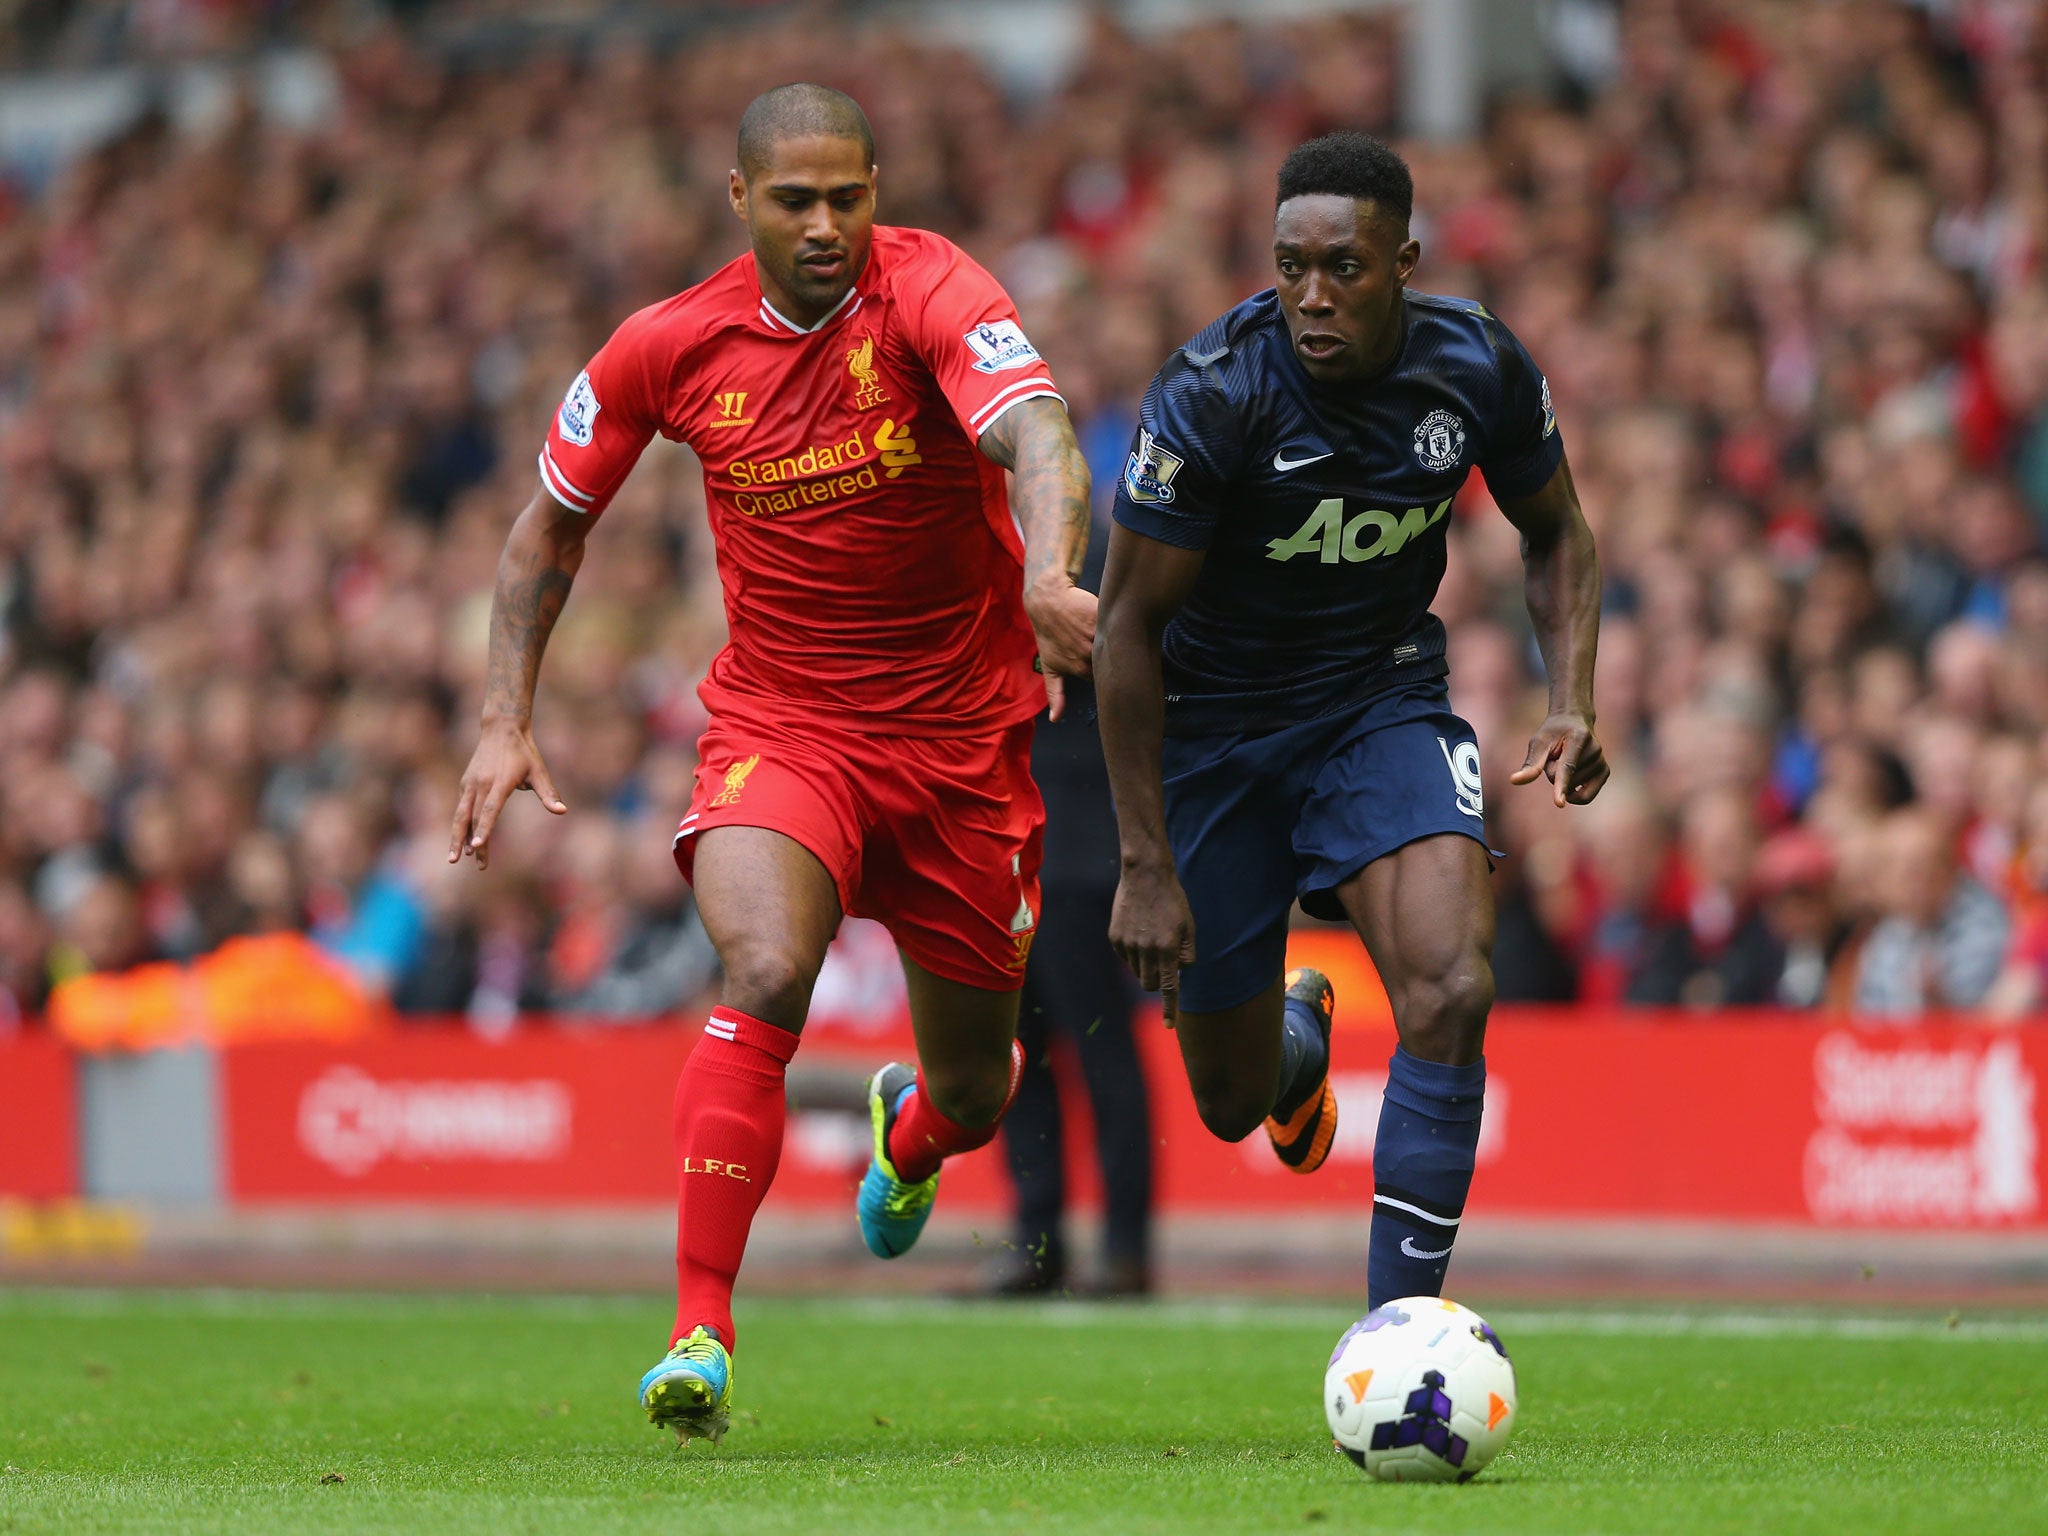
[{"x": 1420, "y": 1391}]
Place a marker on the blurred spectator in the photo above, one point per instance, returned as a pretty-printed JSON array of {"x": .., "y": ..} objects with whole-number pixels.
[
  {"x": 1795, "y": 877},
  {"x": 481, "y": 953},
  {"x": 101, "y": 931},
  {"x": 1717, "y": 951},
  {"x": 2022, "y": 985},
  {"x": 1941, "y": 936},
  {"x": 652, "y": 955},
  {"x": 361, "y": 913},
  {"x": 24, "y": 977}
]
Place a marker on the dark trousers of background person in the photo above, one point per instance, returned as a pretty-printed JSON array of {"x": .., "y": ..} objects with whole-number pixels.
[{"x": 1078, "y": 992}]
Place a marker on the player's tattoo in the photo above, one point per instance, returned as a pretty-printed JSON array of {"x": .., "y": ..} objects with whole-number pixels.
[
  {"x": 1035, "y": 442},
  {"x": 534, "y": 576}
]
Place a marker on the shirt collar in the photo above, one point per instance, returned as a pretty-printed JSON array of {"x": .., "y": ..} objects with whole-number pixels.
[{"x": 778, "y": 321}]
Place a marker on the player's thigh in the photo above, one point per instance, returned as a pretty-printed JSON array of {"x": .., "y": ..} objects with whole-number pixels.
[
  {"x": 1230, "y": 812},
  {"x": 1392, "y": 839},
  {"x": 770, "y": 908},
  {"x": 771, "y": 845},
  {"x": 1406, "y": 769},
  {"x": 1424, "y": 909},
  {"x": 1426, "y": 914},
  {"x": 950, "y": 866}
]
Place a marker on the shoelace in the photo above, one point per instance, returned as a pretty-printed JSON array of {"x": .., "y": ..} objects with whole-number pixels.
[
  {"x": 702, "y": 1351},
  {"x": 909, "y": 1199}
]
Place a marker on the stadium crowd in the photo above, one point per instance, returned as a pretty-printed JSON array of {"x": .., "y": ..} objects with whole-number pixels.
[{"x": 269, "y": 399}]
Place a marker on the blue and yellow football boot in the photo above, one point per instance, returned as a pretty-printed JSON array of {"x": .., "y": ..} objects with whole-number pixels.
[
  {"x": 1301, "y": 1138},
  {"x": 689, "y": 1390},
  {"x": 892, "y": 1212}
]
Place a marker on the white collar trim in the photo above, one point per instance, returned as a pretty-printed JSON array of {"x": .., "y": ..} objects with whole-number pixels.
[{"x": 776, "y": 319}]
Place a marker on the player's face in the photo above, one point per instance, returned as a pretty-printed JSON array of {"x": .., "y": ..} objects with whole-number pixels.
[
  {"x": 811, "y": 213},
  {"x": 1341, "y": 268}
]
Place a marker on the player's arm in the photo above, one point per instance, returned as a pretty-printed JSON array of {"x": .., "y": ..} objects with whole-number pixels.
[
  {"x": 1144, "y": 585},
  {"x": 1034, "y": 440},
  {"x": 540, "y": 560},
  {"x": 1561, "y": 578},
  {"x": 609, "y": 415}
]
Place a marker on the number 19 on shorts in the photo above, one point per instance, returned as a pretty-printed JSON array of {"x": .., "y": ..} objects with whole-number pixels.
[{"x": 1463, "y": 761}]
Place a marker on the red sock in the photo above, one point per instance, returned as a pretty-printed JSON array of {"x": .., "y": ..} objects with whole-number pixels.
[
  {"x": 728, "y": 1132},
  {"x": 922, "y": 1138}
]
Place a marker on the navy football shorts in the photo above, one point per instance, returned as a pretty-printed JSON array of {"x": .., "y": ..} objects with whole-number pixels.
[{"x": 1259, "y": 820}]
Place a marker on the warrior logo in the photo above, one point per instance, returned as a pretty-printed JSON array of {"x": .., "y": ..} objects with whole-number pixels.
[{"x": 732, "y": 410}]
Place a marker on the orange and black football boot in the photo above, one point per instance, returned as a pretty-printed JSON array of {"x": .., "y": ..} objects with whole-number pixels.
[{"x": 1301, "y": 1139}]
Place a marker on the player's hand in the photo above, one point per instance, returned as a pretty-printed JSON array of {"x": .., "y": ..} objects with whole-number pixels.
[
  {"x": 1565, "y": 751},
  {"x": 505, "y": 760},
  {"x": 1152, "y": 929},
  {"x": 1063, "y": 617}
]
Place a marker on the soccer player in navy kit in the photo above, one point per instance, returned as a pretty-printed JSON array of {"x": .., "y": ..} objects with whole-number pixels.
[{"x": 1271, "y": 684}]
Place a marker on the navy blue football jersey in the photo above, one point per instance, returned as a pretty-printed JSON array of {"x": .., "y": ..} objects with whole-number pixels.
[{"x": 1322, "y": 507}]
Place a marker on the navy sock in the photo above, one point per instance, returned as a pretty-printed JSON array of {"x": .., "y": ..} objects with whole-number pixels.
[
  {"x": 1304, "y": 1057},
  {"x": 1421, "y": 1169}
]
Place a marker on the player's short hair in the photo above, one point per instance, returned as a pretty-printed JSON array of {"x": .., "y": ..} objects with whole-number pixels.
[
  {"x": 798, "y": 112},
  {"x": 1349, "y": 165}
]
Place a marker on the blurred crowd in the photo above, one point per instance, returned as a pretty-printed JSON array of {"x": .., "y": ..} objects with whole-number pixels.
[{"x": 269, "y": 400}]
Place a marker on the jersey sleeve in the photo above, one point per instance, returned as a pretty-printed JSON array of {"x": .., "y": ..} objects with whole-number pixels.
[
  {"x": 611, "y": 411},
  {"x": 1185, "y": 452},
  {"x": 966, "y": 331},
  {"x": 1523, "y": 448}
]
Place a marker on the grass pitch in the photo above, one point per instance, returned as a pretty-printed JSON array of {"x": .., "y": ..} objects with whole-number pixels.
[{"x": 260, "y": 1413}]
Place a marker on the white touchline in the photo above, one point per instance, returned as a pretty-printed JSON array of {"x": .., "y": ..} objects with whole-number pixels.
[
  {"x": 1599, "y": 1324},
  {"x": 224, "y": 1301}
]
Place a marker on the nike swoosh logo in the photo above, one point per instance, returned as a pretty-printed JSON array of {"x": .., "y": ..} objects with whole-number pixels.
[
  {"x": 1408, "y": 1247},
  {"x": 1284, "y": 465}
]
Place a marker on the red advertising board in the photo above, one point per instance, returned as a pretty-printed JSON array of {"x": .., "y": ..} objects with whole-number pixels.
[
  {"x": 1771, "y": 1117},
  {"x": 1777, "y": 1118},
  {"x": 544, "y": 1116},
  {"x": 38, "y": 1119}
]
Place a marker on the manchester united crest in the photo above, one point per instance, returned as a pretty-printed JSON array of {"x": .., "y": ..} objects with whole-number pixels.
[{"x": 1439, "y": 440}]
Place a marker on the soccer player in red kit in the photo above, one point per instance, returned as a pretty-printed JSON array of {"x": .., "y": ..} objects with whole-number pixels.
[{"x": 855, "y": 395}]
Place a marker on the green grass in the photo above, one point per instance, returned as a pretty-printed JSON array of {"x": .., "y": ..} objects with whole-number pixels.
[{"x": 216, "y": 1412}]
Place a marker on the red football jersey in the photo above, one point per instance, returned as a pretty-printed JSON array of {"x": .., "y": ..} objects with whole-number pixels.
[{"x": 872, "y": 570}]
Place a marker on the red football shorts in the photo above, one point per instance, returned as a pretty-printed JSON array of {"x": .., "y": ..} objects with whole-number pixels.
[{"x": 938, "y": 838}]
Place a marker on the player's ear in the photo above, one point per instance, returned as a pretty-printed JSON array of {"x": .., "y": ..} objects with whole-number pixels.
[
  {"x": 736, "y": 193},
  {"x": 1405, "y": 260}
]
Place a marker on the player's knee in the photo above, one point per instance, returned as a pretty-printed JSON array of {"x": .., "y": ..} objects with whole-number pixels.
[
  {"x": 969, "y": 1094},
  {"x": 1443, "y": 1017},
  {"x": 1230, "y": 1113},
  {"x": 767, "y": 981}
]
